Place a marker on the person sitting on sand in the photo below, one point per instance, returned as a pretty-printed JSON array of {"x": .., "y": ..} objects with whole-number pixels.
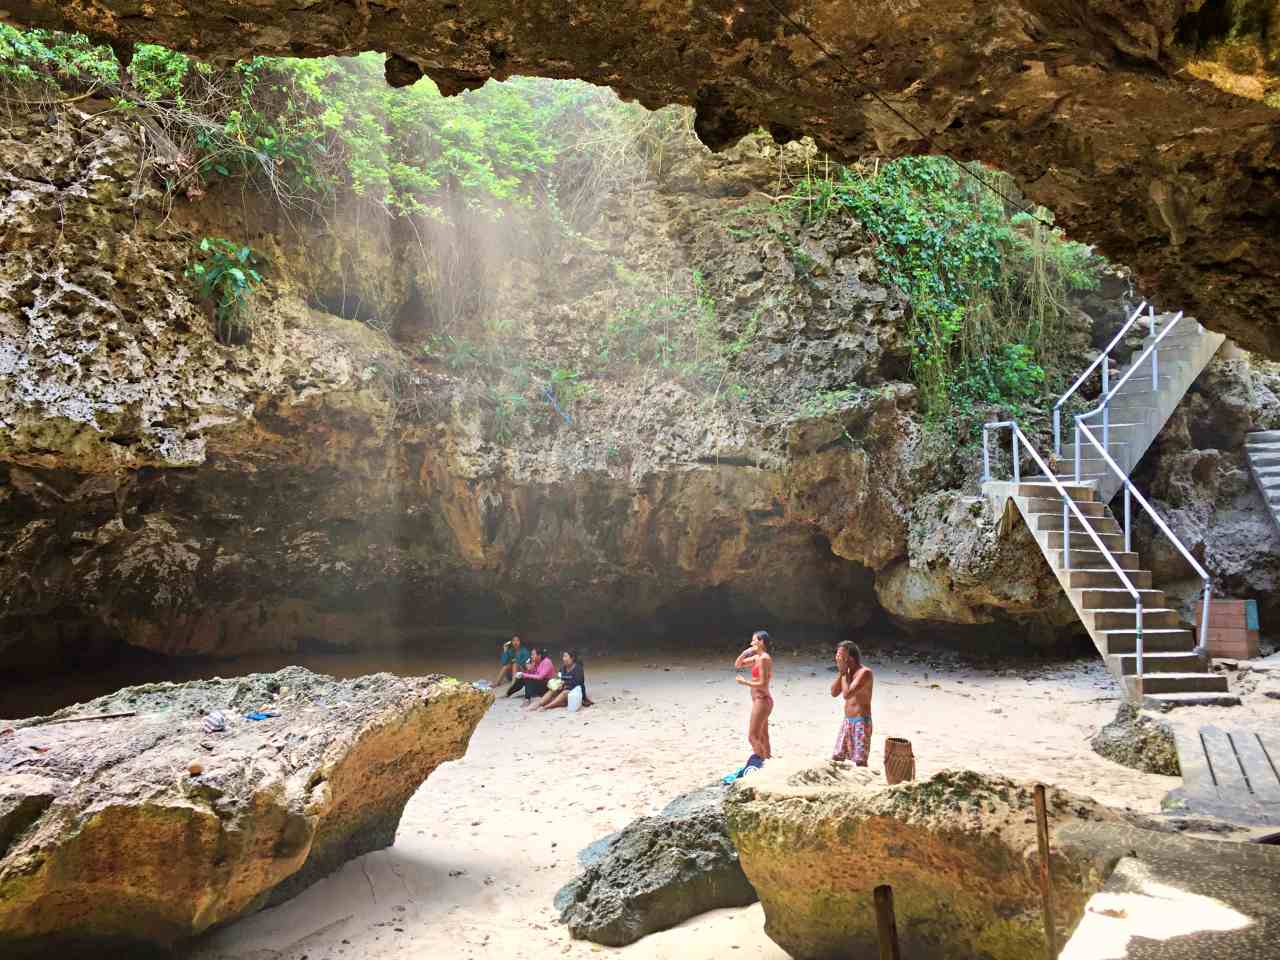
[
  {"x": 533, "y": 679},
  {"x": 573, "y": 685},
  {"x": 853, "y": 683},
  {"x": 757, "y": 656},
  {"x": 514, "y": 657}
]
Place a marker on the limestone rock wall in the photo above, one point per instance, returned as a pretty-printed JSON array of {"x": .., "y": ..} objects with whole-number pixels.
[
  {"x": 328, "y": 484},
  {"x": 1119, "y": 116},
  {"x": 1199, "y": 480},
  {"x": 138, "y": 832}
]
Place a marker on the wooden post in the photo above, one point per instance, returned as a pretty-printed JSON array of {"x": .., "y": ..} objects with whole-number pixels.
[
  {"x": 885, "y": 923},
  {"x": 1046, "y": 878}
]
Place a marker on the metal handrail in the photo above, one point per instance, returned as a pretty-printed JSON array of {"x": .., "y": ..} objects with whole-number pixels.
[
  {"x": 1153, "y": 351},
  {"x": 1131, "y": 491},
  {"x": 1068, "y": 504},
  {"x": 1057, "y": 407}
]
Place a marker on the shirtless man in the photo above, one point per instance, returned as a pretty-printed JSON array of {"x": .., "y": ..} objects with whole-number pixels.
[{"x": 853, "y": 682}]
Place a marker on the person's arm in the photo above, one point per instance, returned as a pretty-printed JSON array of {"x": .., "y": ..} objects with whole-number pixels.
[
  {"x": 766, "y": 671},
  {"x": 857, "y": 683},
  {"x": 745, "y": 657},
  {"x": 837, "y": 685}
]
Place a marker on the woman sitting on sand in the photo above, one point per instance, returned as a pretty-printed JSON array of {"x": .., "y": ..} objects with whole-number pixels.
[
  {"x": 757, "y": 656},
  {"x": 573, "y": 685},
  {"x": 533, "y": 679}
]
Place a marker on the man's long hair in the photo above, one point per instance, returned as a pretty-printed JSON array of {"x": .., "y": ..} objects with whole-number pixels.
[{"x": 851, "y": 651}]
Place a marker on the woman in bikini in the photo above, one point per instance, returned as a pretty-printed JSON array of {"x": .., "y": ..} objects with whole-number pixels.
[{"x": 761, "y": 663}]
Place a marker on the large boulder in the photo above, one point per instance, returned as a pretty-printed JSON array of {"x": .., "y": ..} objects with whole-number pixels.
[
  {"x": 958, "y": 849},
  {"x": 656, "y": 873},
  {"x": 1137, "y": 740},
  {"x": 138, "y": 832}
]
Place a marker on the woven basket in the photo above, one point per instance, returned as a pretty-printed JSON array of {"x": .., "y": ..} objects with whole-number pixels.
[{"x": 899, "y": 761}]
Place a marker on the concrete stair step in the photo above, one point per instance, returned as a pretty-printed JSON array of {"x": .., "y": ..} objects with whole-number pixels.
[
  {"x": 1053, "y": 521},
  {"x": 1089, "y": 467},
  {"x": 1102, "y": 597},
  {"x": 1154, "y": 640},
  {"x": 1263, "y": 436},
  {"x": 1126, "y": 664},
  {"x": 1265, "y": 459},
  {"x": 1089, "y": 559},
  {"x": 1125, "y": 618},
  {"x": 1179, "y": 683},
  {"x": 1108, "y": 578},
  {"x": 1084, "y": 477},
  {"x": 1055, "y": 540},
  {"x": 1031, "y": 488},
  {"x": 1167, "y": 701},
  {"x": 1119, "y": 449},
  {"x": 1179, "y": 335},
  {"x": 1090, "y": 508}
]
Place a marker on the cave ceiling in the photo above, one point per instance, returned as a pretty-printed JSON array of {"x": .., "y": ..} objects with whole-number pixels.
[{"x": 1090, "y": 104}]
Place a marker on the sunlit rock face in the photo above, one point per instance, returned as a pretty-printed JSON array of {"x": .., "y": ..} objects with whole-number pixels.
[
  {"x": 320, "y": 486},
  {"x": 328, "y": 484},
  {"x": 1096, "y": 108},
  {"x": 126, "y": 841}
]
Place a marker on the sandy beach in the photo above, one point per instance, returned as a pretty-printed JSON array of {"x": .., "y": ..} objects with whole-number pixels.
[{"x": 489, "y": 839}]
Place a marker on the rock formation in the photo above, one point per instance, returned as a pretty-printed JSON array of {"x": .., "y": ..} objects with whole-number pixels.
[
  {"x": 1140, "y": 741},
  {"x": 141, "y": 831},
  {"x": 1114, "y": 115},
  {"x": 958, "y": 849},
  {"x": 657, "y": 872},
  {"x": 1198, "y": 478},
  {"x": 323, "y": 485}
]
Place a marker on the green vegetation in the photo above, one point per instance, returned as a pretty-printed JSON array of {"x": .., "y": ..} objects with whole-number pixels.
[
  {"x": 533, "y": 163},
  {"x": 311, "y": 129},
  {"x": 988, "y": 289},
  {"x": 226, "y": 275}
]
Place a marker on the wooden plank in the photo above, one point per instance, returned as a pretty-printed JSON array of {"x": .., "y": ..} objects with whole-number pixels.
[
  {"x": 1257, "y": 767},
  {"x": 1269, "y": 741},
  {"x": 1226, "y": 768},
  {"x": 1196, "y": 779}
]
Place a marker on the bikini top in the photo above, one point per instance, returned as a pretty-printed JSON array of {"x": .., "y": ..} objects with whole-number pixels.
[{"x": 755, "y": 670}]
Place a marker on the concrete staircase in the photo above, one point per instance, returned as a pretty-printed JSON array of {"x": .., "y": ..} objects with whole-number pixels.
[
  {"x": 1173, "y": 672},
  {"x": 1263, "y": 450},
  {"x": 1138, "y": 403},
  {"x": 1137, "y": 413}
]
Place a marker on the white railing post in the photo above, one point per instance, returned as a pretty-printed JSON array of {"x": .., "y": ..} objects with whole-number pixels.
[
  {"x": 986, "y": 455},
  {"x": 1155, "y": 363},
  {"x": 1202, "y": 645},
  {"x": 1106, "y": 407},
  {"x": 1077, "y": 457},
  {"x": 1016, "y": 475},
  {"x": 1057, "y": 429},
  {"x": 1128, "y": 518},
  {"x": 1066, "y": 535},
  {"x": 1138, "y": 644}
]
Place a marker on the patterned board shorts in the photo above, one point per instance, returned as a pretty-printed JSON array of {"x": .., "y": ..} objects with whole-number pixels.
[{"x": 854, "y": 741}]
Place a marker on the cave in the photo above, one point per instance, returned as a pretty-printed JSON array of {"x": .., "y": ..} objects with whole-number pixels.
[{"x": 654, "y": 335}]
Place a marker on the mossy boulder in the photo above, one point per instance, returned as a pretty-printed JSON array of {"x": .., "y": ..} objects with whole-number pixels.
[
  {"x": 959, "y": 850},
  {"x": 1139, "y": 741},
  {"x": 657, "y": 872},
  {"x": 134, "y": 833}
]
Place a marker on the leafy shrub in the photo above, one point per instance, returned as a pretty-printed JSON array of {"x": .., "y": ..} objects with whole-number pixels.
[
  {"x": 226, "y": 276},
  {"x": 988, "y": 290}
]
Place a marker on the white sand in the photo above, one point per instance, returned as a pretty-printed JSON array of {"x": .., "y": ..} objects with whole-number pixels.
[{"x": 488, "y": 840}]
